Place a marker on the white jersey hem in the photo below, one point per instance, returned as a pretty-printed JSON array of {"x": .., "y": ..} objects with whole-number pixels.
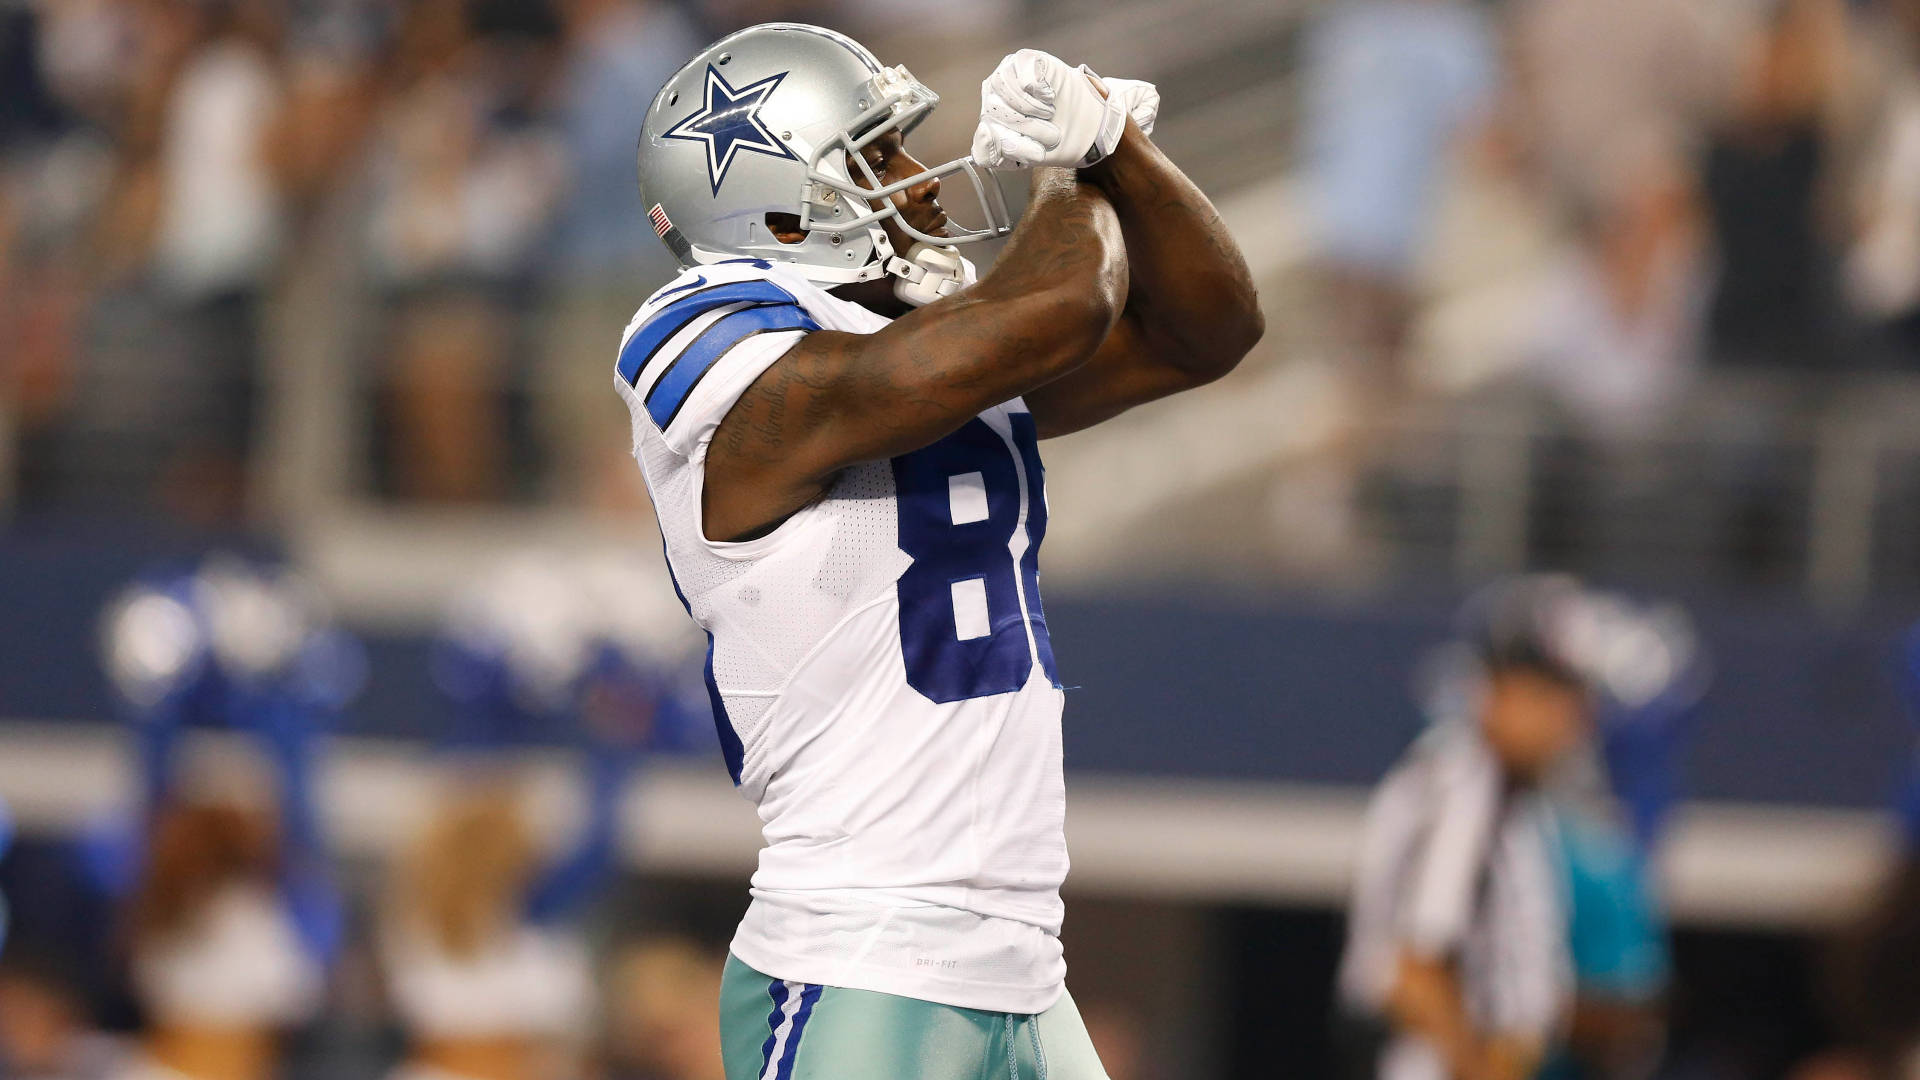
[{"x": 928, "y": 986}]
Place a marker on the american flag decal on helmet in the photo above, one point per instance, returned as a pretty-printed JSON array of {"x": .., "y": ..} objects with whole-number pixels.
[{"x": 675, "y": 242}]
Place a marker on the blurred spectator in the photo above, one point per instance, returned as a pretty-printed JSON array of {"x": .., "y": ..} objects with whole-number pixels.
[
  {"x": 1457, "y": 963},
  {"x": 1392, "y": 89},
  {"x": 661, "y": 1023},
  {"x": 149, "y": 222},
  {"x": 1645, "y": 676},
  {"x": 45, "y": 1031},
  {"x": 1612, "y": 101},
  {"x": 218, "y": 967},
  {"x": 485, "y": 989},
  {"x": 619, "y": 54},
  {"x": 607, "y": 258},
  {"x": 1882, "y": 270},
  {"x": 1611, "y": 87},
  {"x": 1391, "y": 84},
  {"x": 217, "y": 233},
  {"x": 219, "y": 224},
  {"x": 232, "y": 921},
  {"x": 1618, "y": 948},
  {"x": 25, "y": 110},
  {"x": 69, "y": 67},
  {"x": 485, "y": 967},
  {"x": 467, "y": 174},
  {"x": 327, "y": 66},
  {"x": 1768, "y": 187}
]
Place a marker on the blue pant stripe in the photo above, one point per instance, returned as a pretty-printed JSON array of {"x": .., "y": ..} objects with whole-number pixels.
[
  {"x": 778, "y": 992},
  {"x": 807, "y": 997}
]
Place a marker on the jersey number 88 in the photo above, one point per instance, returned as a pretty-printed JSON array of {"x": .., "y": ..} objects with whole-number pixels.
[{"x": 971, "y": 624}]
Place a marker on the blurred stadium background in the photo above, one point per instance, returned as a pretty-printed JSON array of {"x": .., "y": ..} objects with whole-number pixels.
[{"x": 1627, "y": 288}]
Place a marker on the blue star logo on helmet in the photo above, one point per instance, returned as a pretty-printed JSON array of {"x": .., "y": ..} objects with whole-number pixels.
[{"x": 729, "y": 123}]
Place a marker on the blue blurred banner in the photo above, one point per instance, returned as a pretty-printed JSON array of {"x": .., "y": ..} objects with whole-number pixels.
[{"x": 1801, "y": 710}]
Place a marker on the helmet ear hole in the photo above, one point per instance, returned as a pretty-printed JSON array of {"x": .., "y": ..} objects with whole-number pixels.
[
  {"x": 785, "y": 227},
  {"x": 673, "y": 97}
]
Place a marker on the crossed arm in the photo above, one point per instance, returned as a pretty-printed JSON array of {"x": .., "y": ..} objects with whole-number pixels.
[
  {"x": 1120, "y": 286},
  {"x": 837, "y": 399},
  {"x": 1191, "y": 310}
]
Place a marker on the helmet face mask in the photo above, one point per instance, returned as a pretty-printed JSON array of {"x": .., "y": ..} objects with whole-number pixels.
[
  {"x": 895, "y": 101},
  {"x": 774, "y": 119}
]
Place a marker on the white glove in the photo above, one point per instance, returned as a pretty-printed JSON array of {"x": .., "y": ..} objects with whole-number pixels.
[
  {"x": 1036, "y": 110},
  {"x": 1141, "y": 99}
]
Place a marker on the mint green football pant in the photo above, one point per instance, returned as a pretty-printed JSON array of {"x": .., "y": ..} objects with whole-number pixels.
[{"x": 772, "y": 1029}]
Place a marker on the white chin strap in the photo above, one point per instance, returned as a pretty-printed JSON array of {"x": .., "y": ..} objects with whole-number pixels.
[{"x": 928, "y": 273}]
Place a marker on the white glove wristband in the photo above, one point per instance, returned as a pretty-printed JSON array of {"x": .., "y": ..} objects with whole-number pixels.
[
  {"x": 1035, "y": 110},
  {"x": 1113, "y": 124},
  {"x": 1139, "y": 98}
]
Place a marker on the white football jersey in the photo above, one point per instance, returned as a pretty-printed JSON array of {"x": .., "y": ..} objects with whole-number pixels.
[{"x": 882, "y": 680}]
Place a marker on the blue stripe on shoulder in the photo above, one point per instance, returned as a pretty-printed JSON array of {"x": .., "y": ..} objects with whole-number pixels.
[
  {"x": 674, "y": 317},
  {"x": 671, "y": 389}
]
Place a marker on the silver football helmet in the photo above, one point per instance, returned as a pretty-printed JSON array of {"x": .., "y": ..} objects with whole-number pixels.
[{"x": 767, "y": 120}]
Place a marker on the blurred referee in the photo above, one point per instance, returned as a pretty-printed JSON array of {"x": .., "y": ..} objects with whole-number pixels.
[{"x": 1457, "y": 964}]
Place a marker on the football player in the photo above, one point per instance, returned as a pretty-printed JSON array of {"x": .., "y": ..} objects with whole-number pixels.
[{"x": 840, "y": 427}]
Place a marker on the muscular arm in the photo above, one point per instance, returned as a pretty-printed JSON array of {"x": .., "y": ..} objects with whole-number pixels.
[
  {"x": 837, "y": 399},
  {"x": 1191, "y": 311}
]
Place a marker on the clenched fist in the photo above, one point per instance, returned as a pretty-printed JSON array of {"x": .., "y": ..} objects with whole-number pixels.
[{"x": 1036, "y": 109}]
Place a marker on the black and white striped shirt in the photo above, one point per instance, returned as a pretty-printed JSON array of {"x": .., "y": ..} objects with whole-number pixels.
[{"x": 1456, "y": 865}]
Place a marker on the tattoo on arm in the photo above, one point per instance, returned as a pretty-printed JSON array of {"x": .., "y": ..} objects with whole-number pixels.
[
  {"x": 1192, "y": 294},
  {"x": 1191, "y": 309},
  {"x": 836, "y": 399}
]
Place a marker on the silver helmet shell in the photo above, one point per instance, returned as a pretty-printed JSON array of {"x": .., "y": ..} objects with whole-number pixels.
[{"x": 768, "y": 120}]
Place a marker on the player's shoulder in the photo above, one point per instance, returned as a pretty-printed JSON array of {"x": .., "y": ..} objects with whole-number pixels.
[
  {"x": 695, "y": 345},
  {"x": 732, "y": 281},
  {"x": 709, "y": 309}
]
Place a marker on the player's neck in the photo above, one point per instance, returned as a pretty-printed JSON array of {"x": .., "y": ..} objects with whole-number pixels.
[{"x": 876, "y": 296}]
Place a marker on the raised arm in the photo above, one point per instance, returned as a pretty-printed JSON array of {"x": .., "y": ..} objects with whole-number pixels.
[
  {"x": 571, "y": 881},
  {"x": 621, "y": 707},
  {"x": 836, "y": 399},
  {"x": 1191, "y": 310},
  {"x": 290, "y": 731}
]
